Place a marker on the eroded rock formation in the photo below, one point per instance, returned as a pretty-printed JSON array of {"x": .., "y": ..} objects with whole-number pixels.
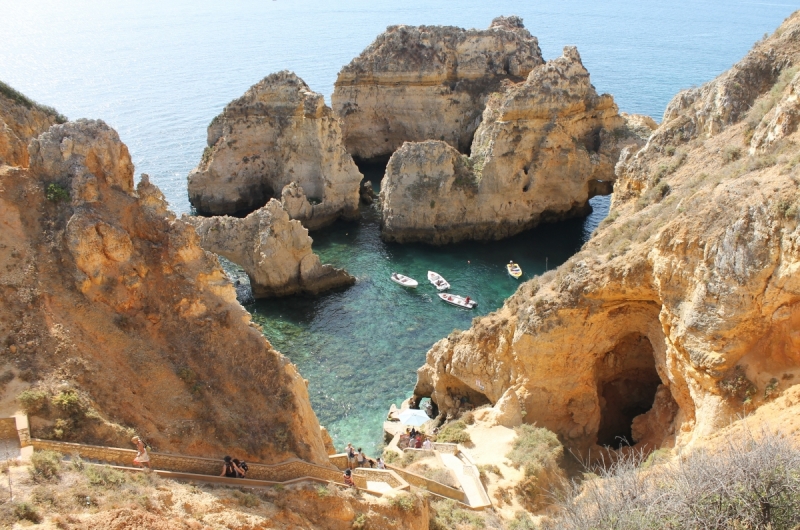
[
  {"x": 108, "y": 301},
  {"x": 417, "y": 83},
  {"x": 678, "y": 315},
  {"x": 21, "y": 120},
  {"x": 274, "y": 251},
  {"x": 543, "y": 149},
  {"x": 278, "y": 133}
]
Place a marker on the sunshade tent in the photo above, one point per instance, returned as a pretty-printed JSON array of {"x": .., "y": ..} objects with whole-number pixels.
[{"x": 414, "y": 417}]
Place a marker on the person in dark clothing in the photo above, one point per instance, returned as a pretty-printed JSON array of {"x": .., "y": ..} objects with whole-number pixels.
[{"x": 228, "y": 468}]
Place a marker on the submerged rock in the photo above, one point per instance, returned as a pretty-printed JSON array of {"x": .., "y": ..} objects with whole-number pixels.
[
  {"x": 417, "y": 83},
  {"x": 278, "y": 133},
  {"x": 543, "y": 149},
  {"x": 274, "y": 251}
]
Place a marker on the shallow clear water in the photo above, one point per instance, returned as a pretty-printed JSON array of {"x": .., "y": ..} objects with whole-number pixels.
[{"x": 160, "y": 71}]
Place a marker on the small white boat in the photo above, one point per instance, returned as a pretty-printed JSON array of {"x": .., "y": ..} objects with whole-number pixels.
[
  {"x": 458, "y": 301},
  {"x": 437, "y": 281},
  {"x": 514, "y": 270},
  {"x": 405, "y": 281}
]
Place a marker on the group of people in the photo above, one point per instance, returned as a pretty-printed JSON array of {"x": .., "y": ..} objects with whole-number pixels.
[
  {"x": 233, "y": 468},
  {"x": 414, "y": 439},
  {"x": 357, "y": 458}
]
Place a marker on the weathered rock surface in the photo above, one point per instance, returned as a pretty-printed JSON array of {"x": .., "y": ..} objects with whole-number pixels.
[
  {"x": 106, "y": 296},
  {"x": 279, "y": 132},
  {"x": 21, "y": 120},
  {"x": 274, "y": 251},
  {"x": 678, "y": 315},
  {"x": 542, "y": 151},
  {"x": 417, "y": 83}
]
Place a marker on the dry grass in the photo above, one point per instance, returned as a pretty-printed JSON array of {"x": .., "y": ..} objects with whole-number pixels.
[{"x": 753, "y": 482}]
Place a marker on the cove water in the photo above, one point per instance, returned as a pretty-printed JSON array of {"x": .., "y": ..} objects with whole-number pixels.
[{"x": 158, "y": 72}]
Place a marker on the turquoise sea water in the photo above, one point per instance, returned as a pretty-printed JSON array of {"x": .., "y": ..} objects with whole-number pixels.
[{"x": 160, "y": 71}]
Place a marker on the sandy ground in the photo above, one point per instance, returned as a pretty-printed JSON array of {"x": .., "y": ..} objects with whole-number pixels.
[{"x": 490, "y": 446}]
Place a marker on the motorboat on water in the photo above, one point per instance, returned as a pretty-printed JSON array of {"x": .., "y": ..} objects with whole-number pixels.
[
  {"x": 514, "y": 270},
  {"x": 458, "y": 301},
  {"x": 405, "y": 281},
  {"x": 437, "y": 281}
]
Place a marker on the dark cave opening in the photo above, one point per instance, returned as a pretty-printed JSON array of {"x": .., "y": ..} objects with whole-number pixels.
[{"x": 627, "y": 385}]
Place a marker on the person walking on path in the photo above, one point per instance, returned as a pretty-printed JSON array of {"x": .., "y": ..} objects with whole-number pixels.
[
  {"x": 361, "y": 458},
  {"x": 351, "y": 456},
  {"x": 381, "y": 464},
  {"x": 142, "y": 459}
]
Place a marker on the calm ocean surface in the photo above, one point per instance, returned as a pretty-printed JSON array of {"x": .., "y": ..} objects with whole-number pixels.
[{"x": 158, "y": 72}]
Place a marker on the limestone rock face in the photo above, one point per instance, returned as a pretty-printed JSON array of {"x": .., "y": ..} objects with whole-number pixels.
[
  {"x": 104, "y": 293},
  {"x": 21, "y": 120},
  {"x": 274, "y": 251},
  {"x": 539, "y": 152},
  {"x": 677, "y": 316},
  {"x": 277, "y": 133},
  {"x": 417, "y": 83}
]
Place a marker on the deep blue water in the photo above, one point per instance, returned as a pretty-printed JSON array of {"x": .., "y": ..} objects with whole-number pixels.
[{"x": 160, "y": 71}]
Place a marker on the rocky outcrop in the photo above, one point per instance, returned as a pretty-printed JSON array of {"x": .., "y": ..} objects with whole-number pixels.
[
  {"x": 417, "y": 83},
  {"x": 677, "y": 316},
  {"x": 279, "y": 133},
  {"x": 274, "y": 251},
  {"x": 109, "y": 306},
  {"x": 21, "y": 120},
  {"x": 541, "y": 152}
]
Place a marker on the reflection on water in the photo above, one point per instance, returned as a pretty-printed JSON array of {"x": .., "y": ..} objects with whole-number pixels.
[{"x": 360, "y": 348}]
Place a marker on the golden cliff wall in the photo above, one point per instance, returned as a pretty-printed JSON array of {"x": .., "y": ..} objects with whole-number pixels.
[
  {"x": 108, "y": 301},
  {"x": 279, "y": 134},
  {"x": 417, "y": 83},
  {"x": 543, "y": 149},
  {"x": 681, "y": 311}
]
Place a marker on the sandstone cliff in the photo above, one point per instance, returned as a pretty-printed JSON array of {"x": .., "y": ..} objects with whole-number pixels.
[
  {"x": 543, "y": 149},
  {"x": 274, "y": 251},
  {"x": 428, "y": 83},
  {"x": 122, "y": 323},
  {"x": 279, "y": 132},
  {"x": 21, "y": 120},
  {"x": 682, "y": 310}
]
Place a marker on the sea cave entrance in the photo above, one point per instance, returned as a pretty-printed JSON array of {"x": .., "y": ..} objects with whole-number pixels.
[{"x": 627, "y": 384}]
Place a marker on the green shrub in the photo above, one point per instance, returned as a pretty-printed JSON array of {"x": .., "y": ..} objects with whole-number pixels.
[
  {"x": 56, "y": 192},
  {"x": 731, "y": 153},
  {"x": 28, "y": 103},
  {"x": 390, "y": 457},
  {"x": 403, "y": 501},
  {"x": 539, "y": 453},
  {"x": 32, "y": 401},
  {"x": 105, "y": 476},
  {"x": 522, "y": 521},
  {"x": 27, "y": 512},
  {"x": 246, "y": 499},
  {"x": 447, "y": 515},
  {"x": 360, "y": 521},
  {"x": 45, "y": 465},
  {"x": 454, "y": 432},
  {"x": 736, "y": 384},
  {"x": 323, "y": 491},
  {"x": 68, "y": 402}
]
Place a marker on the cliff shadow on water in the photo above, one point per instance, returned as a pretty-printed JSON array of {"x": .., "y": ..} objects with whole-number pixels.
[{"x": 360, "y": 347}]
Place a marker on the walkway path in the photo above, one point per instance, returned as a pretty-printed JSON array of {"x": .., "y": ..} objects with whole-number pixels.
[{"x": 467, "y": 475}]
